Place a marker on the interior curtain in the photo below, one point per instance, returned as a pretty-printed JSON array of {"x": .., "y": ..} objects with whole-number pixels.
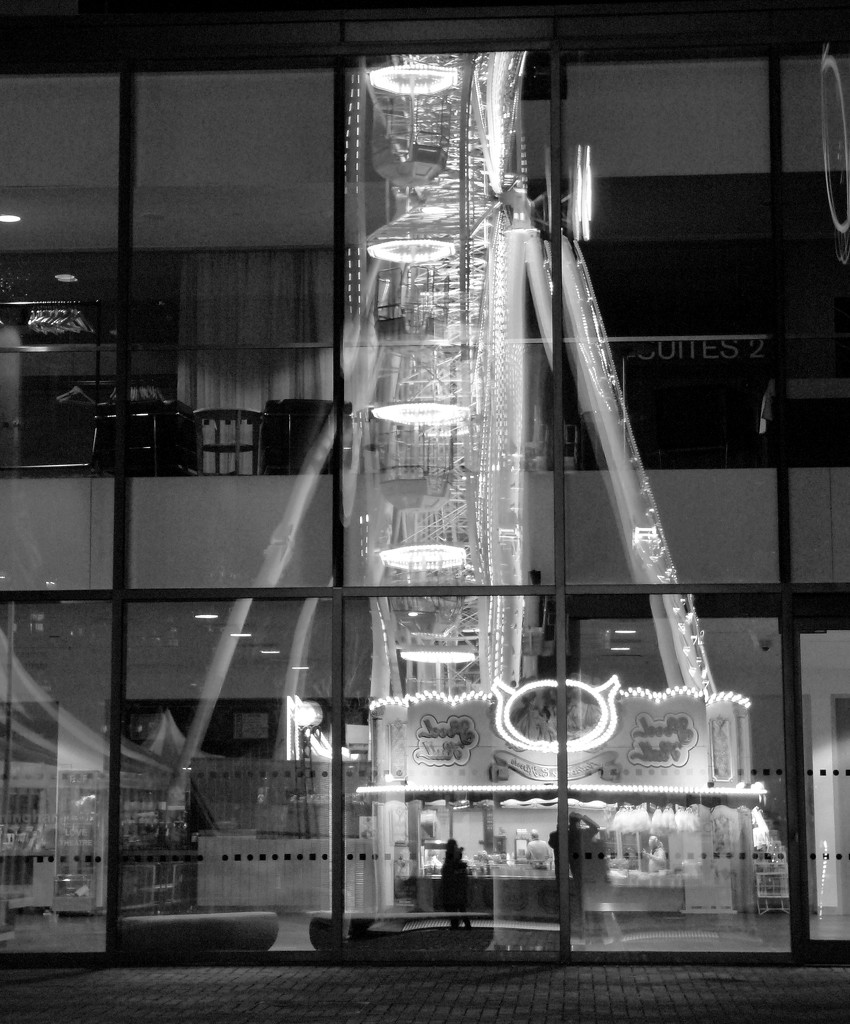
[{"x": 255, "y": 325}]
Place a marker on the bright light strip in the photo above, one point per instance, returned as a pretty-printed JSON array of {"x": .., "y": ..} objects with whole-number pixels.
[
  {"x": 625, "y": 632},
  {"x": 240, "y": 634},
  {"x": 435, "y": 414},
  {"x": 206, "y": 615},
  {"x": 731, "y": 698},
  {"x": 675, "y": 692},
  {"x": 431, "y": 695},
  {"x": 438, "y": 655},
  {"x": 9, "y": 218},
  {"x": 586, "y": 212},
  {"x": 447, "y": 788},
  {"x": 411, "y": 250},
  {"x": 619, "y": 648},
  {"x": 270, "y": 650},
  {"x": 422, "y": 557},
  {"x": 414, "y": 79},
  {"x": 757, "y": 788}
]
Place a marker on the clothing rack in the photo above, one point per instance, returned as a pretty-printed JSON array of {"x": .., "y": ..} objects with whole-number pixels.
[{"x": 64, "y": 318}]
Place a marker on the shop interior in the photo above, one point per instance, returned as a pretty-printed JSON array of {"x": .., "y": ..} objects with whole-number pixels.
[{"x": 251, "y": 832}]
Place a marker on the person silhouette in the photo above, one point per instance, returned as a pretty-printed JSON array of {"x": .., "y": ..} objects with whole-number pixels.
[{"x": 454, "y": 877}]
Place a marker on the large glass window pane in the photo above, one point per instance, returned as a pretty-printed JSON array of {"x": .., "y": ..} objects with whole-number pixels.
[
  {"x": 677, "y": 822},
  {"x": 58, "y": 227},
  {"x": 225, "y": 802},
  {"x": 451, "y": 776},
  {"x": 54, "y": 688},
  {"x": 823, "y": 657},
  {"x": 668, "y": 320},
  {"x": 230, "y": 421},
  {"x": 447, "y": 346},
  {"x": 815, "y": 94}
]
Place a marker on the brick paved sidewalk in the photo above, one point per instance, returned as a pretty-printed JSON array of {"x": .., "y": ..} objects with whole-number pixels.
[{"x": 502, "y": 994}]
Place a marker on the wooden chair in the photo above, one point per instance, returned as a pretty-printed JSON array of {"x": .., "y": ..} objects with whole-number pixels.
[{"x": 226, "y": 439}]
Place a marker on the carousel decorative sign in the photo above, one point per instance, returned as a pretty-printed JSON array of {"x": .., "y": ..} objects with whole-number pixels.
[
  {"x": 445, "y": 743},
  {"x": 662, "y": 742},
  {"x": 602, "y": 764},
  {"x": 522, "y": 766},
  {"x": 527, "y": 716}
]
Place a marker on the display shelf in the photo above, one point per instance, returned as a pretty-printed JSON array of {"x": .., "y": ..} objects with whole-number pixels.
[
  {"x": 159, "y": 886},
  {"x": 772, "y": 885},
  {"x": 72, "y": 894}
]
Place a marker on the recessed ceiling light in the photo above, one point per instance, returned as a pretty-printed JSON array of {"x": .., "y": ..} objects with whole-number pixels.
[
  {"x": 300, "y": 668},
  {"x": 625, "y": 632},
  {"x": 9, "y": 218},
  {"x": 66, "y": 278},
  {"x": 439, "y": 655},
  {"x": 269, "y": 650},
  {"x": 240, "y": 634},
  {"x": 206, "y": 615},
  {"x": 621, "y": 648}
]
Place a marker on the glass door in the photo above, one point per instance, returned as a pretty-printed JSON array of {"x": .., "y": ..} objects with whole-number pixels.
[{"x": 824, "y": 656}]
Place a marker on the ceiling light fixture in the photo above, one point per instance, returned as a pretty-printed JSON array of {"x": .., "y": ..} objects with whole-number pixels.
[
  {"x": 412, "y": 414},
  {"x": 424, "y": 557},
  {"x": 411, "y": 250},
  {"x": 413, "y": 79},
  {"x": 438, "y": 655},
  {"x": 9, "y": 218},
  {"x": 66, "y": 278}
]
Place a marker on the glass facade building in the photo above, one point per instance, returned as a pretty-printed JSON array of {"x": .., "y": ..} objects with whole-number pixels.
[{"x": 422, "y": 483}]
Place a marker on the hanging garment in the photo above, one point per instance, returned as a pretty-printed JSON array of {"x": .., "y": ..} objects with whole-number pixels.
[
  {"x": 761, "y": 833},
  {"x": 668, "y": 816},
  {"x": 643, "y": 822}
]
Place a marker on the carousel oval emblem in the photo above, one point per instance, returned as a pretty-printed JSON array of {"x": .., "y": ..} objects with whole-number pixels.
[{"x": 530, "y": 718}]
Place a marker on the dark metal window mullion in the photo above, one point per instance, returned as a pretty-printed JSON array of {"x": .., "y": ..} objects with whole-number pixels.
[
  {"x": 337, "y": 823},
  {"x": 126, "y": 176},
  {"x": 791, "y": 700}
]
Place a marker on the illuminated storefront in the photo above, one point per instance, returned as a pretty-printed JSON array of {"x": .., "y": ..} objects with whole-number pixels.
[{"x": 411, "y": 446}]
